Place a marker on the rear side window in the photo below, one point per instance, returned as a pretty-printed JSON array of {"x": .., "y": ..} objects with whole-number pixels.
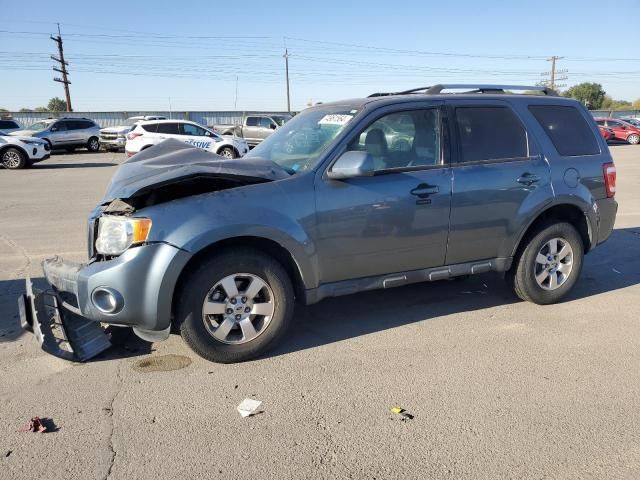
[
  {"x": 567, "y": 129},
  {"x": 150, "y": 127},
  {"x": 490, "y": 133},
  {"x": 169, "y": 128},
  {"x": 252, "y": 121},
  {"x": 8, "y": 124}
]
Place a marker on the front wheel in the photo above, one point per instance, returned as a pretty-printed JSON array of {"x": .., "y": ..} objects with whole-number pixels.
[
  {"x": 93, "y": 145},
  {"x": 235, "y": 306},
  {"x": 633, "y": 139},
  {"x": 549, "y": 265},
  {"x": 227, "y": 152},
  {"x": 13, "y": 159}
]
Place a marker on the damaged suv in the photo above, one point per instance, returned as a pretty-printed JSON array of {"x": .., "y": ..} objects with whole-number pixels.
[{"x": 350, "y": 196}]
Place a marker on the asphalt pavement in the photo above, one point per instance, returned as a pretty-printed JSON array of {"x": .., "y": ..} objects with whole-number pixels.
[{"x": 497, "y": 388}]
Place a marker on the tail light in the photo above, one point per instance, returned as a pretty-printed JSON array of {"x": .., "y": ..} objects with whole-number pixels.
[
  {"x": 132, "y": 135},
  {"x": 609, "y": 172}
]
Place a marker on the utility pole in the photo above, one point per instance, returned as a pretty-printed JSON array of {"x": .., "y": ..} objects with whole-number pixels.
[
  {"x": 63, "y": 69},
  {"x": 554, "y": 75},
  {"x": 286, "y": 69}
]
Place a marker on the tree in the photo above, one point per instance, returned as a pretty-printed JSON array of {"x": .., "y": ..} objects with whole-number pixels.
[
  {"x": 41, "y": 109},
  {"x": 636, "y": 104},
  {"x": 25, "y": 110},
  {"x": 591, "y": 94},
  {"x": 3, "y": 110},
  {"x": 57, "y": 105},
  {"x": 610, "y": 104}
]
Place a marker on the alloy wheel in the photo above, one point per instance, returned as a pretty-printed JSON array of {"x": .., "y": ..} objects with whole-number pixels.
[
  {"x": 554, "y": 264},
  {"x": 11, "y": 159},
  {"x": 238, "y": 308}
]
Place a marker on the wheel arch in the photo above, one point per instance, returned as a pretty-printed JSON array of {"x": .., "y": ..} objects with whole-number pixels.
[
  {"x": 17, "y": 147},
  {"x": 235, "y": 150},
  {"x": 261, "y": 244},
  {"x": 567, "y": 212}
]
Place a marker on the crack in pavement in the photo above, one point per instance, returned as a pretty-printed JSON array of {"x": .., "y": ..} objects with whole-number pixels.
[
  {"x": 16, "y": 273},
  {"x": 119, "y": 383}
]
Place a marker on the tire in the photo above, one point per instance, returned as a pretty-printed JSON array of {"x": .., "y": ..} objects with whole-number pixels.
[
  {"x": 633, "y": 139},
  {"x": 93, "y": 144},
  {"x": 13, "y": 159},
  {"x": 228, "y": 152},
  {"x": 536, "y": 252},
  {"x": 204, "y": 287}
]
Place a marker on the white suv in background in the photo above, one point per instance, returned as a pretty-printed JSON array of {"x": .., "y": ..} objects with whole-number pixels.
[
  {"x": 21, "y": 152},
  {"x": 149, "y": 133}
]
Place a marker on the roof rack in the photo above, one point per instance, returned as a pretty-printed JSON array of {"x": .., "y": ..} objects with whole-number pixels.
[{"x": 473, "y": 88}]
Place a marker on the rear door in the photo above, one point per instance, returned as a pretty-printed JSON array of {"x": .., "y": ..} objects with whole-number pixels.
[
  {"x": 498, "y": 175},
  {"x": 168, "y": 130}
]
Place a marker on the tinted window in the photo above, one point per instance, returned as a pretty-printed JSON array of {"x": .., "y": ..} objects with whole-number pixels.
[
  {"x": 567, "y": 129},
  {"x": 490, "y": 133},
  {"x": 252, "y": 121},
  {"x": 188, "y": 129},
  {"x": 8, "y": 124},
  {"x": 61, "y": 126},
  {"x": 614, "y": 124},
  {"x": 74, "y": 124},
  {"x": 87, "y": 124},
  {"x": 169, "y": 128},
  {"x": 402, "y": 140},
  {"x": 150, "y": 127}
]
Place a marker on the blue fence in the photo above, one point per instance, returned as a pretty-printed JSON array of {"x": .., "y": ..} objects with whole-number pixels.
[{"x": 111, "y": 119}]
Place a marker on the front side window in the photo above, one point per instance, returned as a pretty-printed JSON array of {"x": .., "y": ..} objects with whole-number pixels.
[
  {"x": 189, "y": 129},
  {"x": 298, "y": 144},
  {"x": 402, "y": 140},
  {"x": 60, "y": 126},
  {"x": 490, "y": 134},
  {"x": 265, "y": 122},
  {"x": 567, "y": 129},
  {"x": 614, "y": 124}
]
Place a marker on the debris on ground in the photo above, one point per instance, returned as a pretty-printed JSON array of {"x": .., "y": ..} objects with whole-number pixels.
[
  {"x": 34, "y": 425},
  {"x": 403, "y": 413},
  {"x": 8, "y": 452},
  {"x": 249, "y": 407}
]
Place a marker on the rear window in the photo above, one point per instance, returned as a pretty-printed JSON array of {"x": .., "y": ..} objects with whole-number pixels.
[
  {"x": 490, "y": 133},
  {"x": 567, "y": 129}
]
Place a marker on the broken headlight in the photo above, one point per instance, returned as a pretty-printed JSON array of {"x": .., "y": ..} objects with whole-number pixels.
[{"x": 116, "y": 234}]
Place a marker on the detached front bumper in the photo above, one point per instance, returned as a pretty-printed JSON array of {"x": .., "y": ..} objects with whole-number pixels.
[{"x": 134, "y": 289}]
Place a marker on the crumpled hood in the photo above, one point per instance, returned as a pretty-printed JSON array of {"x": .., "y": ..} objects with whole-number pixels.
[{"x": 173, "y": 160}]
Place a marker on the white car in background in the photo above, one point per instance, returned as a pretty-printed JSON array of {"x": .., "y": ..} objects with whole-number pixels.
[
  {"x": 8, "y": 125},
  {"x": 21, "y": 152},
  {"x": 148, "y": 133},
  {"x": 114, "y": 138}
]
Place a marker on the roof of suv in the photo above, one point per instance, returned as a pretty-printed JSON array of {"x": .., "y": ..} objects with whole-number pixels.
[{"x": 489, "y": 92}]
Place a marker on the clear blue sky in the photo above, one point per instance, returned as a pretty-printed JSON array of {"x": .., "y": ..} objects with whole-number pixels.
[{"x": 144, "y": 54}]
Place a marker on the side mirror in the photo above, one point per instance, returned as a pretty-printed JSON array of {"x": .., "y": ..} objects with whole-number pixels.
[
  {"x": 273, "y": 126},
  {"x": 54, "y": 129},
  {"x": 352, "y": 164}
]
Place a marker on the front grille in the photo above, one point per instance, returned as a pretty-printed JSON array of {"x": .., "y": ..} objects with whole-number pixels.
[{"x": 108, "y": 136}]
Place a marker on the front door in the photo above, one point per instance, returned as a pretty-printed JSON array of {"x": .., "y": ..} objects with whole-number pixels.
[
  {"x": 398, "y": 219},
  {"x": 497, "y": 173}
]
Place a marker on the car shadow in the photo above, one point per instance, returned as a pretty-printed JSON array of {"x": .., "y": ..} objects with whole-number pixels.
[{"x": 614, "y": 265}]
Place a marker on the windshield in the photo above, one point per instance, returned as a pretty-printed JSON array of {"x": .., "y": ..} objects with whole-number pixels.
[
  {"x": 38, "y": 126},
  {"x": 280, "y": 119},
  {"x": 297, "y": 145}
]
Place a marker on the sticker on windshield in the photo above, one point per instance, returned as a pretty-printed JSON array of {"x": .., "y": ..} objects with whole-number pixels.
[{"x": 335, "y": 119}]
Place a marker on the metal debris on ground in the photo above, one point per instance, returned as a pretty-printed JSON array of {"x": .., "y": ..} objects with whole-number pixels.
[
  {"x": 249, "y": 407},
  {"x": 34, "y": 425},
  {"x": 403, "y": 413}
]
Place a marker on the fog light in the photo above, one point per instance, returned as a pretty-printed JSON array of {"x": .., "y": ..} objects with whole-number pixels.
[{"x": 107, "y": 300}]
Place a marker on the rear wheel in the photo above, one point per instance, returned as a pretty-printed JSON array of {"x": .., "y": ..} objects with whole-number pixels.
[
  {"x": 93, "y": 145},
  {"x": 227, "y": 152},
  {"x": 549, "y": 265},
  {"x": 235, "y": 306},
  {"x": 633, "y": 139},
  {"x": 13, "y": 159}
]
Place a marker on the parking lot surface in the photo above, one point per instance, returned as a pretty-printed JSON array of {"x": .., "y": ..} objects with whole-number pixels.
[{"x": 498, "y": 388}]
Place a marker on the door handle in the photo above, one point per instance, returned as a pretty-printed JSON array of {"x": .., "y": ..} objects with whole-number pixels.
[
  {"x": 528, "y": 179},
  {"x": 424, "y": 190}
]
